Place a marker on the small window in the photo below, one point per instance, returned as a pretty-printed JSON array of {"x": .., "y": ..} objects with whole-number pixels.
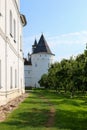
[
  {"x": 14, "y": 31},
  {"x": 15, "y": 78},
  {"x": 35, "y": 64},
  {"x": 11, "y": 78},
  {"x": 21, "y": 83},
  {"x": 0, "y": 14},
  {"x": 10, "y": 23},
  {"x": 20, "y": 43},
  {"x": 0, "y": 9},
  {"x": 29, "y": 72}
]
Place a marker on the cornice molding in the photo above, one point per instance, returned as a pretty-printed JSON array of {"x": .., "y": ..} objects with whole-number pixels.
[
  {"x": 16, "y": 7},
  {"x": 2, "y": 34}
]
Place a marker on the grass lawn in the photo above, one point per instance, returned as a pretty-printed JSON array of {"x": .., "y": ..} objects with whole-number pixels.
[{"x": 35, "y": 113}]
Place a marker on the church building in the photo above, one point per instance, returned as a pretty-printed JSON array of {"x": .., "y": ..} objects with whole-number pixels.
[
  {"x": 38, "y": 62},
  {"x": 11, "y": 54}
]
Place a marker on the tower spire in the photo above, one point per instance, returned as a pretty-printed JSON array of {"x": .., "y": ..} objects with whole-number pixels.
[{"x": 34, "y": 46}]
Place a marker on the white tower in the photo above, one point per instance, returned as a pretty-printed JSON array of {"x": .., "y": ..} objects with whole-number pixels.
[{"x": 38, "y": 62}]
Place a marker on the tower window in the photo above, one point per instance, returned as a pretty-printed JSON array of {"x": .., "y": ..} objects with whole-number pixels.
[{"x": 35, "y": 64}]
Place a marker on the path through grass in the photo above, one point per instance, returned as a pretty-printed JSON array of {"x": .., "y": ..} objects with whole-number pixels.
[{"x": 44, "y": 110}]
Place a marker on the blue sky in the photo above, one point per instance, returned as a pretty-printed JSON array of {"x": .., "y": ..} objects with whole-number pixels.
[{"x": 63, "y": 23}]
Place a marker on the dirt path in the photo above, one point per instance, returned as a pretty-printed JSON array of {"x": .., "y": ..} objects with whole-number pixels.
[
  {"x": 51, "y": 113},
  {"x": 9, "y": 107},
  {"x": 50, "y": 122}
]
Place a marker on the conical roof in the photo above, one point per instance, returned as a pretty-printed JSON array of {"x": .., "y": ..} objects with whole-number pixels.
[
  {"x": 35, "y": 42},
  {"x": 42, "y": 46}
]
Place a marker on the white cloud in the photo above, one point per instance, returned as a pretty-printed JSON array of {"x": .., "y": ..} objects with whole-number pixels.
[
  {"x": 70, "y": 38},
  {"x": 63, "y": 46}
]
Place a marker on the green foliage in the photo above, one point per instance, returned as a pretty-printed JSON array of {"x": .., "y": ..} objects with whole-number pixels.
[
  {"x": 68, "y": 75},
  {"x": 44, "y": 81}
]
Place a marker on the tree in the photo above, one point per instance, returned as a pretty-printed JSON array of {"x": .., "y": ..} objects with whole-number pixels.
[
  {"x": 68, "y": 75},
  {"x": 44, "y": 81}
]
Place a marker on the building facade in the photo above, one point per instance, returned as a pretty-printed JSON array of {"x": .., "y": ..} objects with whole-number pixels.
[
  {"x": 11, "y": 55},
  {"x": 38, "y": 62}
]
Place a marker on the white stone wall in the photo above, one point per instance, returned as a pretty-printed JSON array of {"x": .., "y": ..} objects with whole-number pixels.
[
  {"x": 40, "y": 64},
  {"x": 28, "y": 75},
  {"x": 18, "y": 3},
  {"x": 2, "y": 16},
  {"x": 2, "y": 59},
  {"x": 11, "y": 55}
]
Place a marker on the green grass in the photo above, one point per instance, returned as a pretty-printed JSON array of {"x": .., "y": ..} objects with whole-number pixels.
[{"x": 33, "y": 113}]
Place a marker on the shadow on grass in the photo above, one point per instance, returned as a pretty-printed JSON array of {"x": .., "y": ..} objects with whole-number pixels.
[
  {"x": 71, "y": 120},
  {"x": 38, "y": 118},
  {"x": 64, "y": 98},
  {"x": 35, "y": 118}
]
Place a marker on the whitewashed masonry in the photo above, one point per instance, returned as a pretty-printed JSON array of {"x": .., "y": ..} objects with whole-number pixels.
[
  {"x": 11, "y": 55},
  {"x": 38, "y": 62}
]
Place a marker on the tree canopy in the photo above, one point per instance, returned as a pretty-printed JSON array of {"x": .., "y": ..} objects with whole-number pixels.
[{"x": 68, "y": 75}]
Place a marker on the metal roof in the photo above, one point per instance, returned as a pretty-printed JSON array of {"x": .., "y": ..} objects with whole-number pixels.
[{"x": 42, "y": 46}]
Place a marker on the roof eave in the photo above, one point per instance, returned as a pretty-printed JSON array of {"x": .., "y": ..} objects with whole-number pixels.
[{"x": 43, "y": 52}]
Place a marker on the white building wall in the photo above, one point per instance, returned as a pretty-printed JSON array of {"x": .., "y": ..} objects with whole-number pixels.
[
  {"x": 2, "y": 15},
  {"x": 11, "y": 55},
  {"x": 18, "y": 3},
  {"x": 40, "y": 64},
  {"x": 28, "y": 75},
  {"x": 2, "y": 59},
  {"x": 21, "y": 77}
]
